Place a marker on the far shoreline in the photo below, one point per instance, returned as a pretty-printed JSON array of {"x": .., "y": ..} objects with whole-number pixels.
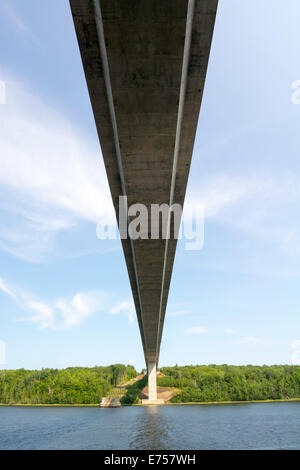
[{"x": 92, "y": 405}]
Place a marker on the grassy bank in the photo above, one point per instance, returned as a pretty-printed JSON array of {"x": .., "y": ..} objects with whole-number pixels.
[
  {"x": 283, "y": 400},
  {"x": 93, "y": 405},
  {"x": 49, "y": 405}
]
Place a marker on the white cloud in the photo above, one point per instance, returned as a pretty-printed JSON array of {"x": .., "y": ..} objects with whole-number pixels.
[
  {"x": 196, "y": 330},
  {"x": 80, "y": 307},
  {"x": 261, "y": 209},
  {"x": 7, "y": 9},
  {"x": 64, "y": 313},
  {"x": 52, "y": 177},
  {"x": 201, "y": 329},
  {"x": 177, "y": 313},
  {"x": 219, "y": 192},
  {"x": 2, "y": 352},
  {"x": 223, "y": 191},
  {"x": 296, "y": 344},
  {"x": 249, "y": 340},
  {"x": 44, "y": 316},
  {"x": 127, "y": 307},
  {"x": 229, "y": 331},
  {"x": 296, "y": 353},
  {"x": 4, "y": 288}
]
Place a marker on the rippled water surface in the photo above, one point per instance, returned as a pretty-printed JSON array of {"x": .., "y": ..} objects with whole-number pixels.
[{"x": 245, "y": 426}]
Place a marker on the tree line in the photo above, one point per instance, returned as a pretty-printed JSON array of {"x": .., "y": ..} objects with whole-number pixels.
[
  {"x": 194, "y": 383},
  {"x": 74, "y": 385},
  {"x": 231, "y": 383}
]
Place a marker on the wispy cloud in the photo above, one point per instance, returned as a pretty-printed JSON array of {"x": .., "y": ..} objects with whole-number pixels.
[
  {"x": 249, "y": 340},
  {"x": 296, "y": 344},
  {"x": 65, "y": 313},
  {"x": 178, "y": 313},
  {"x": 44, "y": 316},
  {"x": 225, "y": 193},
  {"x": 52, "y": 177},
  {"x": 80, "y": 307},
  {"x": 7, "y": 9},
  {"x": 127, "y": 307},
  {"x": 258, "y": 208},
  {"x": 229, "y": 331},
  {"x": 197, "y": 330},
  {"x": 4, "y": 288},
  {"x": 296, "y": 353}
]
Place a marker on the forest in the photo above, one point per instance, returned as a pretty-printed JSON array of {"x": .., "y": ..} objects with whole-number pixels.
[
  {"x": 74, "y": 385},
  {"x": 231, "y": 383},
  {"x": 194, "y": 383}
]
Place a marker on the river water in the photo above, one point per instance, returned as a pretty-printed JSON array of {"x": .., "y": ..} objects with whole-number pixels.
[{"x": 238, "y": 426}]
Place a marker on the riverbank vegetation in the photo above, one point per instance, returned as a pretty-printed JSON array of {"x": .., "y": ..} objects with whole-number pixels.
[
  {"x": 188, "y": 384},
  {"x": 133, "y": 391},
  {"x": 74, "y": 385},
  {"x": 216, "y": 383}
]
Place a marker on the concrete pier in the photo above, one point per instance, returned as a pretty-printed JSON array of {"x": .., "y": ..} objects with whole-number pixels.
[{"x": 152, "y": 386}]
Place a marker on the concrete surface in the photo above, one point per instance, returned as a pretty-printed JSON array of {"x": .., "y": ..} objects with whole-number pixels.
[{"x": 135, "y": 96}]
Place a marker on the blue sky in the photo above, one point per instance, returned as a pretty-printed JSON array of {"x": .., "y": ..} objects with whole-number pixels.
[{"x": 64, "y": 294}]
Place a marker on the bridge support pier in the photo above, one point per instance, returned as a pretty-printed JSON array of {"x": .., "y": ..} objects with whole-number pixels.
[
  {"x": 152, "y": 378},
  {"x": 152, "y": 386}
]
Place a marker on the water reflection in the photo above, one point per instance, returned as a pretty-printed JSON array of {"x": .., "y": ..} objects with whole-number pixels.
[
  {"x": 252, "y": 426},
  {"x": 151, "y": 430}
]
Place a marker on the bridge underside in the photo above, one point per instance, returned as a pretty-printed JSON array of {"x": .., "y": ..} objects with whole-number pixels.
[{"x": 145, "y": 63}]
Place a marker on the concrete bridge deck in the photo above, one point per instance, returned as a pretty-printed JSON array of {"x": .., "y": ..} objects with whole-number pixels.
[{"x": 145, "y": 63}]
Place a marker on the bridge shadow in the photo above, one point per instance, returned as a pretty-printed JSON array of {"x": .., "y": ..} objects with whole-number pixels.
[{"x": 133, "y": 391}]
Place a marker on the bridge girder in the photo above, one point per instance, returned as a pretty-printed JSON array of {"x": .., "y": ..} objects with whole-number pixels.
[{"x": 145, "y": 63}]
